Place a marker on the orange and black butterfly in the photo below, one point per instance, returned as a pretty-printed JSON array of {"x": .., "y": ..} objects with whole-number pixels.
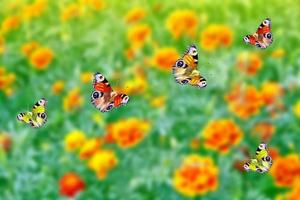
[
  {"x": 185, "y": 69},
  {"x": 103, "y": 96},
  {"x": 263, "y": 36}
]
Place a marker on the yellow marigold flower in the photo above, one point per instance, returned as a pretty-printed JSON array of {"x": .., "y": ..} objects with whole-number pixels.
[
  {"x": 244, "y": 101},
  {"x": 71, "y": 11},
  {"x": 10, "y": 23},
  {"x": 102, "y": 162},
  {"x": 271, "y": 92},
  {"x": 89, "y": 148},
  {"x": 164, "y": 58},
  {"x": 297, "y": 109},
  {"x": 138, "y": 34},
  {"x": 2, "y": 45},
  {"x": 286, "y": 170},
  {"x": 34, "y": 10},
  {"x": 136, "y": 85},
  {"x": 128, "y": 132},
  {"x": 295, "y": 193},
  {"x": 158, "y": 102},
  {"x": 28, "y": 48},
  {"x": 278, "y": 53},
  {"x": 220, "y": 135},
  {"x": 215, "y": 36},
  {"x": 73, "y": 100},
  {"x": 95, "y": 4},
  {"x": 86, "y": 77},
  {"x": 264, "y": 130},
  {"x": 249, "y": 63},
  {"x": 134, "y": 15},
  {"x": 58, "y": 87},
  {"x": 197, "y": 175},
  {"x": 41, "y": 58},
  {"x": 74, "y": 140},
  {"x": 181, "y": 22}
]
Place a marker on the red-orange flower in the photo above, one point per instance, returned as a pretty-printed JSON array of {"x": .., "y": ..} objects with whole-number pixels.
[
  {"x": 128, "y": 132},
  {"x": 5, "y": 142},
  {"x": 164, "y": 58},
  {"x": 286, "y": 170},
  {"x": 220, "y": 135},
  {"x": 197, "y": 175},
  {"x": 271, "y": 92},
  {"x": 249, "y": 63},
  {"x": 41, "y": 58},
  {"x": 264, "y": 130},
  {"x": 244, "y": 101},
  {"x": 215, "y": 36},
  {"x": 71, "y": 184}
]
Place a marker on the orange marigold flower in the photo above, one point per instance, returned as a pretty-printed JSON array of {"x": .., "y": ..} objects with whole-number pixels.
[
  {"x": 138, "y": 34},
  {"x": 273, "y": 152},
  {"x": 128, "y": 132},
  {"x": 5, "y": 142},
  {"x": 2, "y": 45},
  {"x": 220, "y": 135},
  {"x": 214, "y": 36},
  {"x": 28, "y": 48},
  {"x": 6, "y": 81},
  {"x": 73, "y": 100},
  {"x": 129, "y": 53},
  {"x": 86, "y": 77},
  {"x": 271, "y": 92},
  {"x": 95, "y": 4},
  {"x": 10, "y": 23},
  {"x": 182, "y": 22},
  {"x": 295, "y": 193},
  {"x": 102, "y": 162},
  {"x": 286, "y": 170},
  {"x": 58, "y": 86},
  {"x": 71, "y": 184},
  {"x": 71, "y": 11},
  {"x": 244, "y": 101},
  {"x": 158, "y": 102},
  {"x": 34, "y": 10},
  {"x": 89, "y": 148},
  {"x": 41, "y": 58},
  {"x": 197, "y": 175},
  {"x": 296, "y": 109},
  {"x": 74, "y": 140},
  {"x": 134, "y": 15},
  {"x": 264, "y": 130},
  {"x": 249, "y": 63},
  {"x": 278, "y": 53},
  {"x": 164, "y": 58}
]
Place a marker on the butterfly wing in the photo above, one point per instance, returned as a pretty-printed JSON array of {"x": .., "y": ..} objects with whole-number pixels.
[
  {"x": 27, "y": 118},
  {"x": 252, "y": 165},
  {"x": 103, "y": 97},
  {"x": 185, "y": 69},
  {"x": 39, "y": 116},
  {"x": 263, "y": 36}
]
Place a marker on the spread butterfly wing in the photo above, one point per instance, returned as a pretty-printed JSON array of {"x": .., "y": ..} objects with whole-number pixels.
[
  {"x": 262, "y": 38},
  {"x": 37, "y": 117},
  {"x": 103, "y": 97},
  {"x": 185, "y": 69},
  {"x": 262, "y": 162}
]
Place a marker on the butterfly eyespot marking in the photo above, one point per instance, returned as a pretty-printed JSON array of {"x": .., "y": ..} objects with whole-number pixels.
[
  {"x": 185, "y": 81},
  {"x": 202, "y": 84},
  {"x": 193, "y": 51},
  {"x": 19, "y": 116},
  {"x": 246, "y": 167},
  {"x": 99, "y": 77},
  {"x": 43, "y": 115},
  {"x": 125, "y": 99},
  {"x": 246, "y": 39},
  {"x": 266, "y": 22},
  {"x": 110, "y": 106},
  {"x": 268, "y": 158},
  {"x": 180, "y": 63},
  {"x": 268, "y": 35},
  {"x": 262, "y": 146},
  {"x": 97, "y": 95}
]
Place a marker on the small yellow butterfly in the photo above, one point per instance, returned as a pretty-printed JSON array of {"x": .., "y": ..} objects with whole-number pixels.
[
  {"x": 37, "y": 117},
  {"x": 262, "y": 161}
]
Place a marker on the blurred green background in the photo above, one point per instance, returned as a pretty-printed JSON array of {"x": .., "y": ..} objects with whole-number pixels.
[{"x": 85, "y": 36}]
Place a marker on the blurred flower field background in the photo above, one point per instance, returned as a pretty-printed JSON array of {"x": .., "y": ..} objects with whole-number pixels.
[{"x": 170, "y": 141}]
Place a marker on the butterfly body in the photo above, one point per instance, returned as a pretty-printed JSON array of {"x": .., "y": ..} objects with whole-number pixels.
[
  {"x": 262, "y": 161},
  {"x": 37, "y": 117},
  {"x": 262, "y": 38},
  {"x": 103, "y": 97},
  {"x": 185, "y": 69}
]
